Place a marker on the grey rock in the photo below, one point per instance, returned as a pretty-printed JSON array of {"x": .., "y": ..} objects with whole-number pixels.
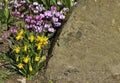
[{"x": 89, "y": 45}]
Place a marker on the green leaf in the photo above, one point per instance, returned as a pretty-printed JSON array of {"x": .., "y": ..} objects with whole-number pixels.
[
  {"x": 44, "y": 2},
  {"x": 50, "y": 35}
]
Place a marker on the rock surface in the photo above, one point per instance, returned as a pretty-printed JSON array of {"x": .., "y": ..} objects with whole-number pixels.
[{"x": 89, "y": 45}]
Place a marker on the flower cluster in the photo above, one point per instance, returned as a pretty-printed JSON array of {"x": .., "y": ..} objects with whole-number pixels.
[
  {"x": 28, "y": 56},
  {"x": 41, "y": 19},
  {"x": 45, "y": 21},
  {"x": 30, "y": 36}
]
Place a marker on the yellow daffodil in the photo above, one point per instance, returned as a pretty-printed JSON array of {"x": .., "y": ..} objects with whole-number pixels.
[
  {"x": 37, "y": 58},
  {"x": 43, "y": 40},
  {"x": 20, "y": 66},
  {"x": 43, "y": 58},
  {"x": 19, "y": 37},
  {"x": 31, "y": 38},
  {"x": 30, "y": 68},
  {"x": 39, "y": 46},
  {"x": 26, "y": 59},
  {"x": 17, "y": 49},
  {"x": 25, "y": 48},
  {"x": 6, "y": 0},
  {"x": 21, "y": 32}
]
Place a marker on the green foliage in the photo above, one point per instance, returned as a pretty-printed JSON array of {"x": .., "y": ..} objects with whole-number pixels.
[
  {"x": 5, "y": 74},
  {"x": 26, "y": 54},
  {"x": 48, "y": 3},
  {"x": 5, "y": 18},
  {"x": 50, "y": 81}
]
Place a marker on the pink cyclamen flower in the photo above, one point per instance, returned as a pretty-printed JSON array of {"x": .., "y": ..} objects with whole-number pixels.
[
  {"x": 35, "y": 3},
  {"x": 1, "y": 4},
  {"x": 51, "y": 30},
  {"x": 5, "y": 36},
  {"x": 16, "y": 5},
  {"x": 48, "y": 14},
  {"x": 54, "y": 19},
  {"x": 57, "y": 14},
  {"x": 47, "y": 26},
  {"x": 62, "y": 17},
  {"x": 29, "y": 17},
  {"x": 59, "y": 3},
  {"x": 53, "y": 8},
  {"x": 66, "y": 9},
  {"x": 33, "y": 21},
  {"x": 38, "y": 29},
  {"x": 57, "y": 24},
  {"x": 13, "y": 30},
  {"x": 27, "y": 26},
  {"x": 22, "y": 16},
  {"x": 27, "y": 20}
]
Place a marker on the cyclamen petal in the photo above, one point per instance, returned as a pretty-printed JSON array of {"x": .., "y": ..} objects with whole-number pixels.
[
  {"x": 27, "y": 26},
  {"x": 62, "y": 17},
  {"x": 51, "y": 30},
  {"x": 59, "y": 3},
  {"x": 39, "y": 22},
  {"x": 57, "y": 24},
  {"x": 18, "y": 13},
  {"x": 5, "y": 36},
  {"x": 22, "y": 15},
  {"x": 53, "y": 8},
  {"x": 33, "y": 21},
  {"x": 35, "y": 11},
  {"x": 48, "y": 14},
  {"x": 66, "y": 9},
  {"x": 22, "y": 1},
  {"x": 35, "y": 3},
  {"x": 39, "y": 17},
  {"x": 57, "y": 14},
  {"x": 31, "y": 26},
  {"x": 54, "y": 19},
  {"x": 29, "y": 17},
  {"x": 27, "y": 20},
  {"x": 1, "y": 4},
  {"x": 42, "y": 15},
  {"x": 13, "y": 12},
  {"x": 38, "y": 29},
  {"x": 13, "y": 31},
  {"x": 47, "y": 26},
  {"x": 16, "y": 5}
]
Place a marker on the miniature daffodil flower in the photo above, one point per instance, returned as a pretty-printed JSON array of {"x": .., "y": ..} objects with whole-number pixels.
[
  {"x": 26, "y": 59},
  {"x": 30, "y": 68},
  {"x": 31, "y": 38},
  {"x": 20, "y": 66},
  {"x": 21, "y": 32},
  {"x": 43, "y": 40},
  {"x": 43, "y": 58},
  {"x": 17, "y": 49},
  {"x": 19, "y": 37},
  {"x": 25, "y": 48},
  {"x": 39, "y": 46},
  {"x": 37, "y": 58}
]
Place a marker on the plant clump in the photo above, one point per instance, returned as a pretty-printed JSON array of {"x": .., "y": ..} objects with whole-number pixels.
[{"x": 31, "y": 25}]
